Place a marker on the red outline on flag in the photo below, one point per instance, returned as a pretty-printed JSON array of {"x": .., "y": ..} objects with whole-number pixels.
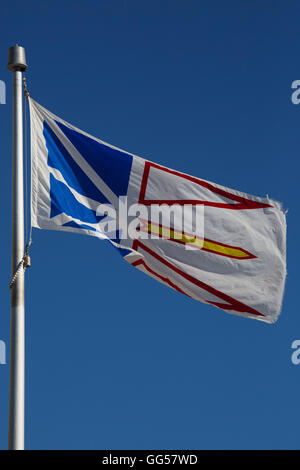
[
  {"x": 232, "y": 304},
  {"x": 242, "y": 202},
  {"x": 164, "y": 279}
]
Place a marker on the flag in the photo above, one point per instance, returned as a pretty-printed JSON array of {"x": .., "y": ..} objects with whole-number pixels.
[{"x": 213, "y": 244}]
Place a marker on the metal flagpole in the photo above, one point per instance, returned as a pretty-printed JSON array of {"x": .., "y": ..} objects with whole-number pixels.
[{"x": 17, "y": 65}]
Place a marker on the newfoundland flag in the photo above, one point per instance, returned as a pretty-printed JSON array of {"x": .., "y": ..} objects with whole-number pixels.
[{"x": 209, "y": 242}]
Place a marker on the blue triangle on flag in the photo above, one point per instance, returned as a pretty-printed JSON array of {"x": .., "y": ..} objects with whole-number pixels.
[
  {"x": 63, "y": 201},
  {"x": 60, "y": 159},
  {"x": 113, "y": 166}
]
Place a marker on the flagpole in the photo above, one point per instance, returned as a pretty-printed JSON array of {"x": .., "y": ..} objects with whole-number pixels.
[{"x": 17, "y": 65}]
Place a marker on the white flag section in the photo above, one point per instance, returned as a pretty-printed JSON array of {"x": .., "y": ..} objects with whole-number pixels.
[{"x": 237, "y": 263}]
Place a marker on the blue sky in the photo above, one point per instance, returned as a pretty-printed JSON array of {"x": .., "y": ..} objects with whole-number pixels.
[{"x": 115, "y": 360}]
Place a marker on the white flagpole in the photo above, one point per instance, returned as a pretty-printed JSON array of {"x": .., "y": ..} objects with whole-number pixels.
[{"x": 17, "y": 65}]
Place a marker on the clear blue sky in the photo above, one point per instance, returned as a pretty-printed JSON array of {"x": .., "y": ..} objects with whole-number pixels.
[{"x": 115, "y": 359}]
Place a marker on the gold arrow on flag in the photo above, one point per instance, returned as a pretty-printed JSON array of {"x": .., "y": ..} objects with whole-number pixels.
[{"x": 204, "y": 244}]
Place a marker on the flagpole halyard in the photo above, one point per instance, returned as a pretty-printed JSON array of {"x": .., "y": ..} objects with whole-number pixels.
[{"x": 17, "y": 65}]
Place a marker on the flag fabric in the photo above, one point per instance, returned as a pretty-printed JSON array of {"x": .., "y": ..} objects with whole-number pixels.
[{"x": 236, "y": 260}]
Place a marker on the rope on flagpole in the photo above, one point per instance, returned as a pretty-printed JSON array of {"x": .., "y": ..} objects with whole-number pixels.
[
  {"x": 24, "y": 263},
  {"x": 26, "y": 92},
  {"x": 26, "y": 97}
]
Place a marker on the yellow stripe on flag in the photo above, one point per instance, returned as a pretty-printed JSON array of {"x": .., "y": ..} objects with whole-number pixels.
[{"x": 204, "y": 244}]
